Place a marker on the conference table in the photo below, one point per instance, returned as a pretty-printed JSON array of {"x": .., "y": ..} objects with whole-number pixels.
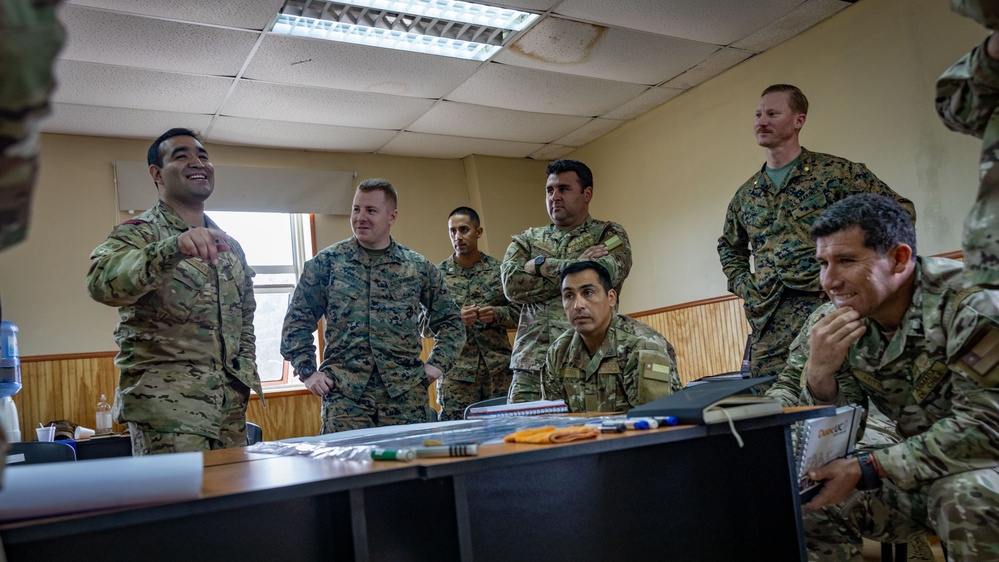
[{"x": 679, "y": 493}]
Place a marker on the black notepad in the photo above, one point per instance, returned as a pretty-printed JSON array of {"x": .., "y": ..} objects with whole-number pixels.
[{"x": 711, "y": 403}]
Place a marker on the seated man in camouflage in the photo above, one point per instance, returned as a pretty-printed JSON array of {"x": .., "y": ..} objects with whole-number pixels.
[
  {"x": 901, "y": 332},
  {"x": 607, "y": 362}
]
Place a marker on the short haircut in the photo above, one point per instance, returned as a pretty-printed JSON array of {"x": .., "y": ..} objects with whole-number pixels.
[
  {"x": 586, "y": 265},
  {"x": 796, "y": 101},
  {"x": 884, "y": 222},
  {"x": 153, "y": 157},
  {"x": 468, "y": 212},
  {"x": 378, "y": 184},
  {"x": 582, "y": 170}
]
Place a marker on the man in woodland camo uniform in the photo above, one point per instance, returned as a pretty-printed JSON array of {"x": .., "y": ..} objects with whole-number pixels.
[
  {"x": 768, "y": 219},
  {"x": 607, "y": 362},
  {"x": 901, "y": 332},
  {"x": 968, "y": 102},
  {"x": 483, "y": 368},
  {"x": 532, "y": 262},
  {"x": 371, "y": 291},
  {"x": 184, "y": 292}
]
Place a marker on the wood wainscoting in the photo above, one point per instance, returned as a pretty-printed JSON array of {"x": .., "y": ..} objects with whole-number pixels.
[{"x": 709, "y": 337}]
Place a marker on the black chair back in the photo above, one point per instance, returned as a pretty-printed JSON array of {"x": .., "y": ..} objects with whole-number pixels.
[{"x": 37, "y": 452}]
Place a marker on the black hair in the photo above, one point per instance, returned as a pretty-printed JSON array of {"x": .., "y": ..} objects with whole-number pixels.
[
  {"x": 582, "y": 171},
  {"x": 468, "y": 212},
  {"x": 153, "y": 157},
  {"x": 884, "y": 222},
  {"x": 587, "y": 265}
]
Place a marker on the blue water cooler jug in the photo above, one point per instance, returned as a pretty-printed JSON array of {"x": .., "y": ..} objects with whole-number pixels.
[{"x": 10, "y": 380}]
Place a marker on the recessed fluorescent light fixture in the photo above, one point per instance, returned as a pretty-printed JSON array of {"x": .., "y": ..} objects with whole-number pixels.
[{"x": 449, "y": 28}]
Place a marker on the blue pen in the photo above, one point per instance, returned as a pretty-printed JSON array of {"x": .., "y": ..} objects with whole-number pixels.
[{"x": 667, "y": 420}]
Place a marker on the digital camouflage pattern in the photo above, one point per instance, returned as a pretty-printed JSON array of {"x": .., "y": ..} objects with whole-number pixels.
[
  {"x": 967, "y": 101},
  {"x": 608, "y": 381},
  {"x": 30, "y": 38},
  {"x": 770, "y": 224},
  {"x": 542, "y": 319},
  {"x": 372, "y": 313},
  {"x": 483, "y": 368},
  {"x": 186, "y": 329},
  {"x": 938, "y": 382}
]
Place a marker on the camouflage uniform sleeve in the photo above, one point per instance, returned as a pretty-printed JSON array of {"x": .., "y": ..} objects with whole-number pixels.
[
  {"x": 790, "y": 381},
  {"x": 519, "y": 286},
  {"x": 965, "y": 439},
  {"x": 617, "y": 262},
  {"x": 551, "y": 385},
  {"x": 733, "y": 251},
  {"x": 654, "y": 343},
  {"x": 864, "y": 180},
  {"x": 443, "y": 320},
  {"x": 125, "y": 267},
  {"x": 968, "y": 93},
  {"x": 247, "y": 339},
  {"x": 308, "y": 304}
]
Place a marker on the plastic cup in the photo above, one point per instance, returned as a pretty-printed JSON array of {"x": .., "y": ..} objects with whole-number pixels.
[
  {"x": 46, "y": 433},
  {"x": 82, "y": 433}
]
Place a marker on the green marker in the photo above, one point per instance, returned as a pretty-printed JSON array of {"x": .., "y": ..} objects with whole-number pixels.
[{"x": 401, "y": 455}]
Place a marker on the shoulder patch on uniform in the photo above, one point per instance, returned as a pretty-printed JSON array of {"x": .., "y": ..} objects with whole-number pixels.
[
  {"x": 135, "y": 221},
  {"x": 980, "y": 359}
]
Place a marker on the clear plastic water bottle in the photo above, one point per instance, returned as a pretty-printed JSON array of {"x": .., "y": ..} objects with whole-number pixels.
[
  {"x": 10, "y": 361},
  {"x": 103, "y": 426}
]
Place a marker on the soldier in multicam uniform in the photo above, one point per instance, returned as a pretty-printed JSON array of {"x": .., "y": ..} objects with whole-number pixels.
[
  {"x": 372, "y": 292},
  {"x": 606, "y": 362},
  {"x": 901, "y": 332},
  {"x": 483, "y": 368},
  {"x": 968, "y": 102},
  {"x": 768, "y": 220},
  {"x": 532, "y": 262},
  {"x": 184, "y": 292}
]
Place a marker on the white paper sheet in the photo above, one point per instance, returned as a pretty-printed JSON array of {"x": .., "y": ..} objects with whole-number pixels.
[{"x": 67, "y": 487}]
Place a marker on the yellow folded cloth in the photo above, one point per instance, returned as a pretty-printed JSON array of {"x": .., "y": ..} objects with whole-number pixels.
[{"x": 548, "y": 434}]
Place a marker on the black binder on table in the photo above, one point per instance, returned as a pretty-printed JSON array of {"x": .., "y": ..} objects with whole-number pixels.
[{"x": 710, "y": 403}]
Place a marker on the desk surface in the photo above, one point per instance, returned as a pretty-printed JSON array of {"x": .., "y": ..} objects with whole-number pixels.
[{"x": 235, "y": 479}]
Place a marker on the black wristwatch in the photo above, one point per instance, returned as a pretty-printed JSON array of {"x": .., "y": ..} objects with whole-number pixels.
[
  {"x": 302, "y": 377},
  {"x": 538, "y": 262},
  {"x": 869, "y": 479}
]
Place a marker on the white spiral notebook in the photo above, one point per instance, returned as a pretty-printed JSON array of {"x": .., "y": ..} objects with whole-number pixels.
[{"x": 534, "y": 408}]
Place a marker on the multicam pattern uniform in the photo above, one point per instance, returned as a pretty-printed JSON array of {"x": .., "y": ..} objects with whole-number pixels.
[
  {"x": 30, "y": 37},
  {"x": 483, "y": 368},
  {"x": 945, "y": 469},
  {"x": 542, "y": 319},
  {"x": 968, "y": 102},
  {"x": 372, "y": 314},
  {"x": 186, "y": 330},
  {"x": 771, "y": 224},
  {"x": 607, "y": 381}
]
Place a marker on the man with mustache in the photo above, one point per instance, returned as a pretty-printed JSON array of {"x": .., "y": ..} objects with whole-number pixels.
[
  {"x": 607, "y": 362},
  {"x": 483, "y": 368},
  {"x": 903, "y": 332},
  {"x": 533, "y": 260},
  {"x": 185, "y": 296},
  {"x": 768, "y": 220}
]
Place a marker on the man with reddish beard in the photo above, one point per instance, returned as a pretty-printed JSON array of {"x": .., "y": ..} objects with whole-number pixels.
[
  {"x": 607, "y": 362},
  {"x": 372, "y": 293},
  {"x": 483, "y": 369},
  {"x": 768, "y": 221},
  {"x": 185, "y": 295}
]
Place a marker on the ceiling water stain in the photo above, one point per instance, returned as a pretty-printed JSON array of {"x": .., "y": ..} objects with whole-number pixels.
[{"x": 559, "y": 41}]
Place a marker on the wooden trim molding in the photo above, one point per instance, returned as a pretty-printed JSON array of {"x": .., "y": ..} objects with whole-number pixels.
[
  {"x": 682, "y": 306},
  {"x": 69, "y": 356}
]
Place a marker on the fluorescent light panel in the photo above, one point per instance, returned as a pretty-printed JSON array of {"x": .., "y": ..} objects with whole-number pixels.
[{"x": 438, "y": 27}]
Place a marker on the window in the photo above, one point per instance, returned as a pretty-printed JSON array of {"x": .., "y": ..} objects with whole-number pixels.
[{"x": 276, "y": 247}]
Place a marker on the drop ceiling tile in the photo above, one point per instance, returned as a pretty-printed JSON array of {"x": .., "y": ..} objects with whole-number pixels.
[
  {"x": 590, "y": 132},
  {"x": 304, "y": 136},
  {"x": 805, "y": 16},
  {"x": 551, "y": 152},
  {"x": 584, "y": 49},
  {"x": 651, "y": 98},
  {"x": 71, "y": 119},
  {"x": 526, "y": 89},
  {"x": 87, "y": 83},
  {"x": 322, "y": 106},
  {"x": 247, "y": 14},
  {"x": 717, "y": 63},
  {"x": 439, "y": 146},
  {"x": 327, "y": 64},
  {"x": 719, "y": 21},
  {"x": 466, "y": 120},
  {"x": 153, "y": 44}
]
